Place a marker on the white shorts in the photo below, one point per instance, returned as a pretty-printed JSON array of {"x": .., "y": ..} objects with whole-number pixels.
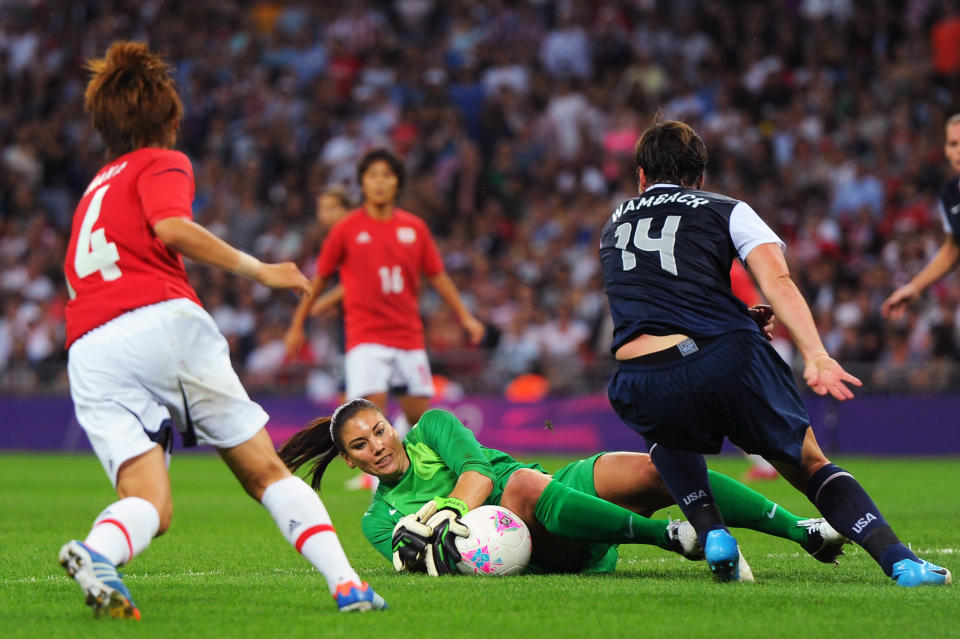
[
  {"x": 375, "y": 368},
  {"x": 156, "y": 362}
]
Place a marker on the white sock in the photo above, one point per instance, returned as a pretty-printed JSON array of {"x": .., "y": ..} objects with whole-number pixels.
[
  {"x": 304, "y": 522},
  {"x": 124, "y": 529}
]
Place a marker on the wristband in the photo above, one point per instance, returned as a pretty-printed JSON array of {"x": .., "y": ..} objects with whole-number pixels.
[
  {"x": 452, "y": 503},
  {"x": 247, "y": 265}
]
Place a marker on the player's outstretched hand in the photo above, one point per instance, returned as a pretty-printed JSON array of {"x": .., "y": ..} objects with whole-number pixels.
[
  {"x": 475, "y": 329},
  {"x": 894, "y": 306},
  {"x": 284, "y": 275},
  {"x": 763, "y": 315},
  {"x": 411, "y": 539},
  {"x": 824, "y": 375}
]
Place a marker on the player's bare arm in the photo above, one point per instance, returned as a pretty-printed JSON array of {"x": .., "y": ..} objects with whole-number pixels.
[
  {"x": 821, "y": 372},
  {"x": 448, "y": 291},
  {"x": 294, "y": 337},
  {"x": 942, "y": 263},
  {"x": 200, "y": 245},
  {"x": 327, "y": 302}
]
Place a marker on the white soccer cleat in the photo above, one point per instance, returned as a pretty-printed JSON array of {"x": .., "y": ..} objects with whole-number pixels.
[
  {"x": 743, "y": 569},
  {"x": 99, "y": 579},
  {"x": 683, "y": 539},
  {"x": 823, "y": 542}
]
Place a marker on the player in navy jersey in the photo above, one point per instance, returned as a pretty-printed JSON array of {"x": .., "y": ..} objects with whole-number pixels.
[
  {"x": 946, "y": 258},
  {"x": 694, "y": 367}
]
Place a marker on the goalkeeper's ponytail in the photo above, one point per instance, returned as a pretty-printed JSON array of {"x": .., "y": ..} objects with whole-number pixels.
[
  {"x": 312, "y": 443},
  {"x": 320, "y": 441}
]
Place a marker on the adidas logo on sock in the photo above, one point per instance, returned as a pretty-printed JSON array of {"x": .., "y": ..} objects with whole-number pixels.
[{"x": 294, "y": 524}]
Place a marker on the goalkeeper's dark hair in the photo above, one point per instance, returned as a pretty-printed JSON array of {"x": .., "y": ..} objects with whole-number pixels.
[
  {"x": 383, "y": 155},
  {"x": 132, "y": 99},
  {"x": 319, "y": 441}
]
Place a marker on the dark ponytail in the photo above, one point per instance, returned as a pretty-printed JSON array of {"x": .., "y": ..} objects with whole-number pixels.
[{"x": 320, "y": 441}]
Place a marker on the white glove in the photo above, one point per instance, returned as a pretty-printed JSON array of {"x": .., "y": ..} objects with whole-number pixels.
[{"x": 411, "y": 538}]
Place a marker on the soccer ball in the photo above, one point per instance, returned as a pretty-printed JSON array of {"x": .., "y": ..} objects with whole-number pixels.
[{"x": 499, "y": 543}]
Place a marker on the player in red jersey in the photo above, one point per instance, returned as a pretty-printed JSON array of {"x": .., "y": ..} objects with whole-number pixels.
[
  {"x": 381, "y": 251},
  {"x": 141, "y": 348}
]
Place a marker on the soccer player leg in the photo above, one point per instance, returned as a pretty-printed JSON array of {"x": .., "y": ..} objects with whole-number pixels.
[
  {"x": 685, "y": 474},
  {"x": 743, "y": 507},
  {"x": 118, "y": 416},
  {"x": 849, "y": 509},
  {"x": 567, "y": 512},
  {"x": 304, "y": 522}
]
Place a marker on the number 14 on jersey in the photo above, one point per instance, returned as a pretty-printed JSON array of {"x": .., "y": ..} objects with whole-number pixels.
[{"x": 642, "y": 240}]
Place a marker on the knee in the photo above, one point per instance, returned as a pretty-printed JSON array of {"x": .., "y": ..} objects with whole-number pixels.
[
  {"x": 166, "y": 517},
  {"x": 523, "y": 490},
  {"x": 269, "y": 472},
  {"x": 643, "y": 468}
]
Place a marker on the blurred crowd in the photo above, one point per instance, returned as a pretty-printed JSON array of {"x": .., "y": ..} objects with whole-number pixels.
[{"x": 516, "y": 120}]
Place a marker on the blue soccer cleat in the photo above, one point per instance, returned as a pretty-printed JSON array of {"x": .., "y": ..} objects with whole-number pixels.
[
  {"x": 99, "y": 579},
  {"x": 724, "y": 557},
  {"x": 909, "y": 573},
  {"x": 351, "y": 597}
]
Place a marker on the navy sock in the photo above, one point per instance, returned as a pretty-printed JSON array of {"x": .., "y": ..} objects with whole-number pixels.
[
  {"x": 685, "y": 475},
  {"x": 847, "y": 506}
]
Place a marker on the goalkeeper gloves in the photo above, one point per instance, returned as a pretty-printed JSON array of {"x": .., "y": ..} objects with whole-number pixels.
[
  {"x": 442, "y": 555},
  {"x": 411, "y": 538}
]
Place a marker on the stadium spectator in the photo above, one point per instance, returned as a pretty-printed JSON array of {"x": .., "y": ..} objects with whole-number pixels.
[
  {"x": 269, "y": 85},
  {"x": 142, "y": 349}
]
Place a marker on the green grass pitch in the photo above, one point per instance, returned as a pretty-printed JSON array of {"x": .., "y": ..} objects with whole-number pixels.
[{"x": 224, "y": 571}]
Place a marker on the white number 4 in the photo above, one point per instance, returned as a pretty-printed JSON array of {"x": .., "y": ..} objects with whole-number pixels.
[
  {"x": 94, "y": 252},
  {"x": 642, "y": 240}
]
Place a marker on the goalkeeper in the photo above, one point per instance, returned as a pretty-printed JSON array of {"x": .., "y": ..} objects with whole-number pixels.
[{"x": 576, "y": 516}]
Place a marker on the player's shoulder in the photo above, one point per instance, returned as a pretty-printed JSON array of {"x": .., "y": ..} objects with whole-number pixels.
[
  {"x": 716, "y": 198},
  {"x": 402, "y": 216},
  {"x": 352, "y": 219},
  {"x": 155, "y": 155},
  {"x": 438, "y": 418}
]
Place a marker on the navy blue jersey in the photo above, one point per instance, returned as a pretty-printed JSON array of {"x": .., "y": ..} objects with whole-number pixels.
[
  {"x": 950, "y": 205},
  {"x": 666, "y": 258}
]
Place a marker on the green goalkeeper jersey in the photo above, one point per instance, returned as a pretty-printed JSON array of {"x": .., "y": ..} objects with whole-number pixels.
[{"x": 441, "y": 449}]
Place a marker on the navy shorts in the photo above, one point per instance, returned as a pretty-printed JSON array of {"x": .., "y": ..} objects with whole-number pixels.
[{"x": 735, "y": 386}]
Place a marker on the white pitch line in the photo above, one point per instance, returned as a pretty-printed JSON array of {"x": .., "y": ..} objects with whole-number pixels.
[{"x": 669, "y": 559}]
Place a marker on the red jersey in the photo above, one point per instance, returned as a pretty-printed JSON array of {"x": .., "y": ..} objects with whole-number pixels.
[
  {"x": 742, "y": 285},
  {"x": 380, "y": 262},
  {"x": 115, "y": 262}
]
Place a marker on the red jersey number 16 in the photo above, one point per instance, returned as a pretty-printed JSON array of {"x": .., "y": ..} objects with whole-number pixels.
[{"x": 391, "y": 279}]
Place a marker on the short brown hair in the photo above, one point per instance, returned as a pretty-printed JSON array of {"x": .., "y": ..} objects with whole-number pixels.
[
  {"x": 131, "y": 98},
  {"x": 672, "y": 152}
]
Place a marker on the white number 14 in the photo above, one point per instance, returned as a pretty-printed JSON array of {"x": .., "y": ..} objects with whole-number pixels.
[{"x": 642, "y": 240}]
